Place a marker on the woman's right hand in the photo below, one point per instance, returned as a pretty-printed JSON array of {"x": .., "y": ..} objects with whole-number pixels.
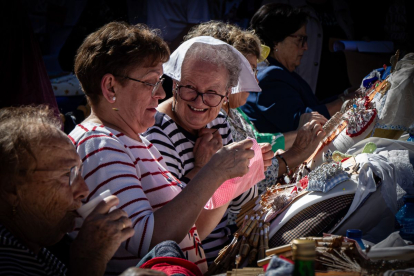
[
  {"x": 308, "y": 117},
  {"x": 101, "y": 235},
  {"x": 308, "y": 138},
  {"x": 209, "y": 141},
  {"x": 232, "y": 160}
]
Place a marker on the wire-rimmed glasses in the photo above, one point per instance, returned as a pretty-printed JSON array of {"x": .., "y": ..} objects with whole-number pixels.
[
  {"x": 154, "y": 86},
  {"x": 189, "y": 94}
]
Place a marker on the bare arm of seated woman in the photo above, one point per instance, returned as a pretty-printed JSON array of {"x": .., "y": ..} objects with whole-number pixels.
[
  {"x": 229, "y": 162},
  {"x": 100, "y": 236}
]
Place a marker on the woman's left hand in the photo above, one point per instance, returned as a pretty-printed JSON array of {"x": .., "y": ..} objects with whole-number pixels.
[{"x": 267, "y": 154}]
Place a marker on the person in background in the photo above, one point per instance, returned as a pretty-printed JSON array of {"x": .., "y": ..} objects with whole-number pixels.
[
  {"x": 285, "y": 95},
  {"x": 249, "y": 45},
  {"x": 323, "y": 69},
  {"x": 119, "y": 67},
  {"x": 41, "y": 188}
]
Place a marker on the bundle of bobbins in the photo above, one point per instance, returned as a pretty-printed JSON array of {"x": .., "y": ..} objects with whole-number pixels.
[
  {"x": 251, "y": 240},
  {"x": 249, "y": 244}
]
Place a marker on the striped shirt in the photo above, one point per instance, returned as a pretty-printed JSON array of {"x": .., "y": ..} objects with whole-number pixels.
[
  {"x": 176, "y": 146},
  {"x": 17, "y": 259},
  {"x": 134, "y": 172}
]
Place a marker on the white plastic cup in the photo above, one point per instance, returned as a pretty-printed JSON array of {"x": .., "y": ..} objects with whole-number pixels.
[{"x": 87, "y": 208}]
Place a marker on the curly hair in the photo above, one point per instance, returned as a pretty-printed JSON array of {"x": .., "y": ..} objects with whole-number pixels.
[
  {"x": 115, "y": 48},
  {"x": 22, "y": 129},
  {"x": 221, "y": 55},
  {"x": 274, "y": 22},
  {"x": 244, "y": 41}
]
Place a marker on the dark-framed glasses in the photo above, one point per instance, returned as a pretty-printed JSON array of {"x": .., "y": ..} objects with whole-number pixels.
[
  {"x": 189, "y": 94},
  {"x": 154, "y": 86},
  {"x": 302, "y": 39}
]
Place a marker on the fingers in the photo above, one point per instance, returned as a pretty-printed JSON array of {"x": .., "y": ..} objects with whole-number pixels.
[
  {"x": 244, "y": 144},
  {"x": 105, "y": 205}
]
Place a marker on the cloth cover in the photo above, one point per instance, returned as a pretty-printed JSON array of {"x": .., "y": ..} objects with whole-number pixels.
[
  {"x": 238, "y": 185},
  {"x": 247, "y": 80}
]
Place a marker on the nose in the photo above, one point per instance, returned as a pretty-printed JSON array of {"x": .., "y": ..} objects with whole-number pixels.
[
  {"x": 305, "y": 46},
  {"x": 80, "y": 189},
  {"x": 160, "y": 93}
]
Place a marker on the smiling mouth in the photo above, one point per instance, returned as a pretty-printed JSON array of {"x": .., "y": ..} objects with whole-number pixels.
[{"x": 197, "y": 109}]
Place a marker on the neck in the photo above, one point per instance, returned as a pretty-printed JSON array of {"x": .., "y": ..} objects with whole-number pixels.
[
  {"x": 113, "y": 119},
  {"x": 166, "y": 108},
  {"x": 273, "y": 55}
]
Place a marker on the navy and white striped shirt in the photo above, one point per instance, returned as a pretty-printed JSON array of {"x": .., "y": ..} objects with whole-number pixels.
[
  {"x": 17, "y": 259},
  {"x": 176, "y": 146}
]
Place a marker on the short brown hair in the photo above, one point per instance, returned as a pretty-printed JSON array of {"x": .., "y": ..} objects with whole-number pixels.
[
  {"x": 115, "y": 48},
  {"x": 244, "y": 41},
  {"x": 21, "y": 130}
]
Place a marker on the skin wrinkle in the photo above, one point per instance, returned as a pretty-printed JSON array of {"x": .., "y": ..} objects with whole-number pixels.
[
  {"x": 46, "y": 200},
  {"x": 290, "y": 51},
  {"x": 134, "y": 98},
  {"x": 203, "y": 76}
]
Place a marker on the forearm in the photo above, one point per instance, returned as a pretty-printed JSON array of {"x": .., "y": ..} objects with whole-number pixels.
[
  {"x": 293, "y": 159},
  {"x": 334, "y": 106},
  {"x": 290, "y": 138},
  {"x": 188, "y": 205},
  {"x": 209, "y": 219}
]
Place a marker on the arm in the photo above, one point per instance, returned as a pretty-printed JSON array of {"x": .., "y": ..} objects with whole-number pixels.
[
  {"x": 100, "y": 236},
  {"x": 281, "y": 104}
]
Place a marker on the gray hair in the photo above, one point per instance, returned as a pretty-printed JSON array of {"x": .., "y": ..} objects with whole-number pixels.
[{"x": 221, "y": 55}]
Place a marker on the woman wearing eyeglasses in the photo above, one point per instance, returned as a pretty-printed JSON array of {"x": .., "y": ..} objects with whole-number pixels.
[
  {"x": 249, "y": 45},
  {"x": 285, "y": 95},
  {"x": 119, "y": 67},
  {"x": 188, "y": 128}
]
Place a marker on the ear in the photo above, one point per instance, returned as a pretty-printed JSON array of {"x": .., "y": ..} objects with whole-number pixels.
[
  {"x": 10, "y": 194},
  {"x": 107, "y": 86}
]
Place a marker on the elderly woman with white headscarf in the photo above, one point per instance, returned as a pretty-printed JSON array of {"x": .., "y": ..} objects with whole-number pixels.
[{"x": 188, "y": 128}]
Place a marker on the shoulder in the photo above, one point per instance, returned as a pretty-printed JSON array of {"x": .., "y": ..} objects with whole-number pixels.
[
  {"x": 90, "y": 131},
  {"x": 273, "y": 72},
  {"x": 220, "y": 123}
]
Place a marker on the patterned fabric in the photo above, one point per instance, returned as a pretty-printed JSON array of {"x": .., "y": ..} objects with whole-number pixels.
[
  {"x": 240, "y": 130},
  {"x": 313, "y": 220},
  {"x": 136, "y": 173},
  {"x": 17, "y": 259},
  {"x": 327, "y": 185}
]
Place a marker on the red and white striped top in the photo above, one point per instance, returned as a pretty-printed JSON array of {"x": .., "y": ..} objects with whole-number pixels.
[{"x": 134, "y": 172}]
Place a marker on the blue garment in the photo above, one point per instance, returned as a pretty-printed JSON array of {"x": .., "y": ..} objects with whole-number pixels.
[{"x": 284, "y": 98}]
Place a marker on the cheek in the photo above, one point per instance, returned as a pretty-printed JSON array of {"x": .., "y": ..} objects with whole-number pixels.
[{"x": 50, "y": 204}]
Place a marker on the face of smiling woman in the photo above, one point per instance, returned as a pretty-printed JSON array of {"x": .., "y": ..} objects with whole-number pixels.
[{"x": 204, "y": 77}]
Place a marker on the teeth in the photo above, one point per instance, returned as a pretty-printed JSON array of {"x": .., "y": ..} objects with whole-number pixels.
[{"x": 196, "y": 109}]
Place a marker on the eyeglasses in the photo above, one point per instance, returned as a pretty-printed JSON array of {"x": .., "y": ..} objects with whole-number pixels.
[
  {"x": 302, "y": 39},
  {"x": 154, "y": 85},
  {"x": 255, "y": 71},
  {"x": 74, "y": 173},
  {"x": 189, "y": 94}
]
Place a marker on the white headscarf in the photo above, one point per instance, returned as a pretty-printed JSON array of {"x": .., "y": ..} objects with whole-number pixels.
[{"x": 247, "y": 81}]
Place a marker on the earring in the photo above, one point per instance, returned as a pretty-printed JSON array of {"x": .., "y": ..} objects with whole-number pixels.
[
  {"x": 173, "y": 106},
  {"x": 114, "y": 98},
  {"x": 14, "y": 211},
  {"x": 276, "y": 49}
]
